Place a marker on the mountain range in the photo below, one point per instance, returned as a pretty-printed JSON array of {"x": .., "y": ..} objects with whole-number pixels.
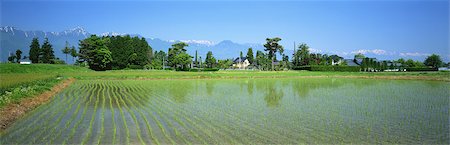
[{"x": 12, "y": 38}]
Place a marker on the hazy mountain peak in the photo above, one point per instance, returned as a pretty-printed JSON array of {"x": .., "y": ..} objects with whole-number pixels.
[
  {"x": 203, "y": 42},
  {"x": 8, "y": 29},
  {"x": 76, "y": 30},
  {"x": 113, "y": 34}
]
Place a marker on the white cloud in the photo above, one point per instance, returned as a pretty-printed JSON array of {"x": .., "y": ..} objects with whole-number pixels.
[
  {"x": 373, "y": 51},
  {"x": 414, "y": 54}
]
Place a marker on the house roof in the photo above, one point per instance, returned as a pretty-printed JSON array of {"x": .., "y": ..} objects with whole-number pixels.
[
  {"x": 237, "y": 60},
  {"x": 350, "y": 62}
]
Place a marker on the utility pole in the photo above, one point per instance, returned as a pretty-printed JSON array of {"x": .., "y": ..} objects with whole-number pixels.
[{"x": 163, "y": 62}]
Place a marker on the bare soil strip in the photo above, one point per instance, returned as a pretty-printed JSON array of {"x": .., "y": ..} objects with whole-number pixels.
[{"x": 13, "y": 111}]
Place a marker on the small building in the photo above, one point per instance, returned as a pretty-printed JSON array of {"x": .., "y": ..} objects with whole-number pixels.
[
  {"x": 336, "y": 62},
  {"x": 241, "y": 63},
  {"x": 25, "y": 61},
  {"x": 351, "y": 62}
]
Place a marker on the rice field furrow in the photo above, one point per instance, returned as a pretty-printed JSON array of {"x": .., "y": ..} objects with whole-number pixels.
[
  {"x": 38, "y": 116},
  {"x": 71, "y": 120},
  {"x": 194, "y": 133},
  {"x": 261, "y": 136},
  {"x": 114, "y": 133},
  {"x": 91, "y": 122},
  {"x": 102, "y": 118},
  {"x": 77, "y": 124},
  {"x": 219, "y": 130},
  {"x": 117, "y": 98},
  {"x": 38, "y": 129},
  {"x": 226, "y": 112},
  {"x": 135, "y": 98},
  {"x": 131, "y": 112},
  {"x": 149, "y": 128},
  {"x": 56, "y": 125}
]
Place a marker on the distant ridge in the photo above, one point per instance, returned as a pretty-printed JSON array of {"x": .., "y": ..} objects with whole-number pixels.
[{"x": 13, "y": 38}]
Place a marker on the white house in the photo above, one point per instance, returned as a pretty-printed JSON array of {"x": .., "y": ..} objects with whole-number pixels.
[
  {"x": 241, "y": 63},
  {"x": 25, "y": 61}
]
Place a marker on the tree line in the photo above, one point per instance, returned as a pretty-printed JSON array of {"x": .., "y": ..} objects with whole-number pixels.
[
  {"x": 43, "y": 53},
  {"x": 121, "y": 52}
]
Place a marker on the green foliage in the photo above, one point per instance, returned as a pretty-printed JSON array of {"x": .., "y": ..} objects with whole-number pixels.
[
  {"x": 303, "y": 54},
  {"x": 11, "y": 58},
  {"x": 18, "y": 55},
  {"x": 155, "y": 64},
  {"x": 421, "y": 69},
  {"x": 203, "y": 69},
  {"x": 225, "y": 64},
  {"x": 126, "y": 50},
  {"x": 182, "y": 60},
  {"x": 58, "y": 61},
  {"x": 16, "y": 92},
  {"x": 178, "y": 58},
  {"x": 433, "y": 60},
  {"x": 73, "y": 53},
  {"x": 359, "y": 56},
  {"x": 250, "y": 56},
  {"x": 34, "y": 50},
  {"x": 66, "y": 50},
  {"x": 94, "y": 51},
  {"x": 273, "y": 47},
  {"x": 101, "y": 59},
  {"x": 330, "y": 68},
  {"x": 263, "y": 61},
  {"x": 210, "y": 60},
  {"x": 47, "y": 53}
]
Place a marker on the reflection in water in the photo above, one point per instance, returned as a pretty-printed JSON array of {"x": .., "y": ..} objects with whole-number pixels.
[
  {"x": 329, "y": 111},
  {"x": 250, "y": 87},
  {"x": 210, "y": 87},
  {"x": 273, "y": 94},
  {"x": 178, "y": 91}
]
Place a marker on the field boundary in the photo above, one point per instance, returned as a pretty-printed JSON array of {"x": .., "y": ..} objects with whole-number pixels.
[
  {"x": 11, "y": 112},
  {"x": 426, "y": 78}
]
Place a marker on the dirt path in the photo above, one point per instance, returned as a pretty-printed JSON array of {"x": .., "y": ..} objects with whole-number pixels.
[{"x": 12, "y": 112}]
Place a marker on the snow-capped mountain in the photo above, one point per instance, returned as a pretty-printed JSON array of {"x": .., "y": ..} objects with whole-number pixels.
[{"x": 13, "y": 38}]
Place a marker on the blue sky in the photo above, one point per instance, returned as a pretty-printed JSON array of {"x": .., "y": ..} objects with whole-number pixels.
[{"x": 382, "y": 29}]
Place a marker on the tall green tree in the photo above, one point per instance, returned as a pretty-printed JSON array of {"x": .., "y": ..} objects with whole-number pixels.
[
  {"x": 250, "y": 56},
  {"x": 273, "y": 47},
  {"x": 18, "y": 55},
  {"x": 433, "y": 60},
  {"x": 196, "y": 57},
  {"x": 174, "y": 51},
  {"x": 73, "y": 53},
  {"x": 303, "y": 53},
  {"x": 210, "y": 60},
  {"x": 35, "y": 50},
  {"x": 262, "y": 60},
  {"x": 94, "y": 51},
  {"x": 11, "y": 57},
  {"x": 359, "y": 56},
  {"x": 224, "y": 64},
  {"x": 183, "y": 60},
  {"x": 47, "y": 52},
  {"x": 66, "y": 50}
]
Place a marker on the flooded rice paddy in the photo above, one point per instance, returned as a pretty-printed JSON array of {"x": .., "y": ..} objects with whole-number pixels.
[{"x": 240, "y": 111}]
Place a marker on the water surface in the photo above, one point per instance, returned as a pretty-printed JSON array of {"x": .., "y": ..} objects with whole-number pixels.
[{"x": 248, "y": 111}]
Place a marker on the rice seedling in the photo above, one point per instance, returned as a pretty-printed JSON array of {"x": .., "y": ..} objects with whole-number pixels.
[{"x": 314, "y": 111}]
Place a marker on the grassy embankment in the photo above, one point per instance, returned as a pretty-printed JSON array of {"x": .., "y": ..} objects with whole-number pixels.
[{"x": 22, "y": 81}]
